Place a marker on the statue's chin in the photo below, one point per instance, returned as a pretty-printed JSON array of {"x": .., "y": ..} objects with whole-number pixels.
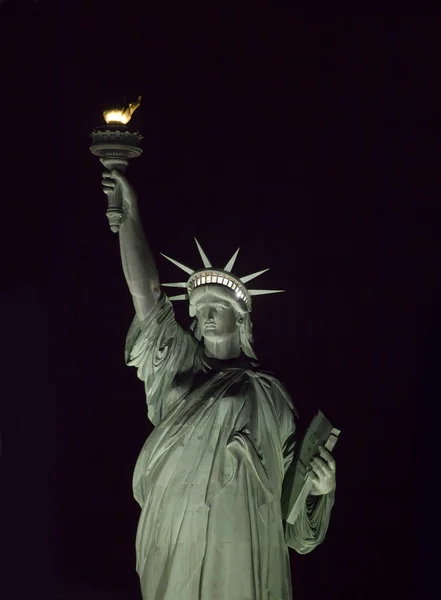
[{"x": 215, "y": 336}]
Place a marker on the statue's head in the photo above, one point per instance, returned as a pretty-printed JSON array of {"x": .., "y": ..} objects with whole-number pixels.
[
  {"x": 216, "y": 317},
  {"x": 220, "y": 301},
  {"x": 220, "y": 315}
]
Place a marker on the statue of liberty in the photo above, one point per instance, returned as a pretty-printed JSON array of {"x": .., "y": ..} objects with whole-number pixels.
[{"x": 209, "y": 477}]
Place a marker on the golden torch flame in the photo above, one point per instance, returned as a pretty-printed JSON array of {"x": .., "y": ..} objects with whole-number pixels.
[{"x": 121, "y": 116}]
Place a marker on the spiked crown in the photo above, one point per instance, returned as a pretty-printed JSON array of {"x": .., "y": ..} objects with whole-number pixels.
[{"x": 210, "y": 275}]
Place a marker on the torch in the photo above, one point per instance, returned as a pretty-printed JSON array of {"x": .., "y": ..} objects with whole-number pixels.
[{"x": 115, "y": 144}]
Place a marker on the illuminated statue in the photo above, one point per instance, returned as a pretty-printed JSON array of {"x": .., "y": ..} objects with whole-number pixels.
[{"x": 209, "y": 477}]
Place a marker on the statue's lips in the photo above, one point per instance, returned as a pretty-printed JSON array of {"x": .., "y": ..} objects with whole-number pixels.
[{"x": 210, "y": 326}]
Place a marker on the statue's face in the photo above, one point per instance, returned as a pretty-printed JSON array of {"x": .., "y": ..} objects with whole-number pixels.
[{"x": 216, "y": 317}]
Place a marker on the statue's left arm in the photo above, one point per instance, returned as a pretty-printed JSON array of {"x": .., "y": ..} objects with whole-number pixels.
[{"x": 309, "y": 529}]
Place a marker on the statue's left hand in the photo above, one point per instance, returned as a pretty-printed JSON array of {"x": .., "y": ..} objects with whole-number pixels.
[{"x": 322, "y": 473}]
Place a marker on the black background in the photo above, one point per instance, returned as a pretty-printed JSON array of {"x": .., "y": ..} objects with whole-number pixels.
[{"x": 311, "y": 143}]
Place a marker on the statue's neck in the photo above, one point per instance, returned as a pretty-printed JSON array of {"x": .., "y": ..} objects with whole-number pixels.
[{"x": 223, "y": 350}]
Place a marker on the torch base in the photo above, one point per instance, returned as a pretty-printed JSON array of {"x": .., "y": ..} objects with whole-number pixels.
[
  {"x": 115, "y": 145},
  {"x": 115, "y": 217}
]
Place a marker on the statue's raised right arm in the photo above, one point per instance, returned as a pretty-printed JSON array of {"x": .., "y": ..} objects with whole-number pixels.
[
  {"x": 137, "y": 260},
  {"x": 156, "y": 345}
]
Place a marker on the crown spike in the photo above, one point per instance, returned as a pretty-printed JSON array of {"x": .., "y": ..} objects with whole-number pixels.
[
  {"x": 253, "y": 275},
  {"x": 230, "y": 263},
  {"x": 263, "y": 292},
  {"x": 180, "y": 284},
  {"x": 179, "y": 297},
  {"x": 178, "y": 264},
  {"x": 204, "y": 257}
]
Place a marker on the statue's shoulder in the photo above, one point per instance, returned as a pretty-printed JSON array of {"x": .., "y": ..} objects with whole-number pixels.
[
  {"x": 267, "y": 379},
  {"x": 265, "y": 376},
  {"x": 274, "y": 388}
]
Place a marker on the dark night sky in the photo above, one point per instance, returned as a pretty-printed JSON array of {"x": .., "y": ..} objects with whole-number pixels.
[{"x": 313, "y": 144}]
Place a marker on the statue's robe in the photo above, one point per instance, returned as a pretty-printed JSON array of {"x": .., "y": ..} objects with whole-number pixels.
[{"x": 209, "y": 477}]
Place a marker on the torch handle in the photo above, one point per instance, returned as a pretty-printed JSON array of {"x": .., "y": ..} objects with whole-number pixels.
[{"x": 115, "y": 209}]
